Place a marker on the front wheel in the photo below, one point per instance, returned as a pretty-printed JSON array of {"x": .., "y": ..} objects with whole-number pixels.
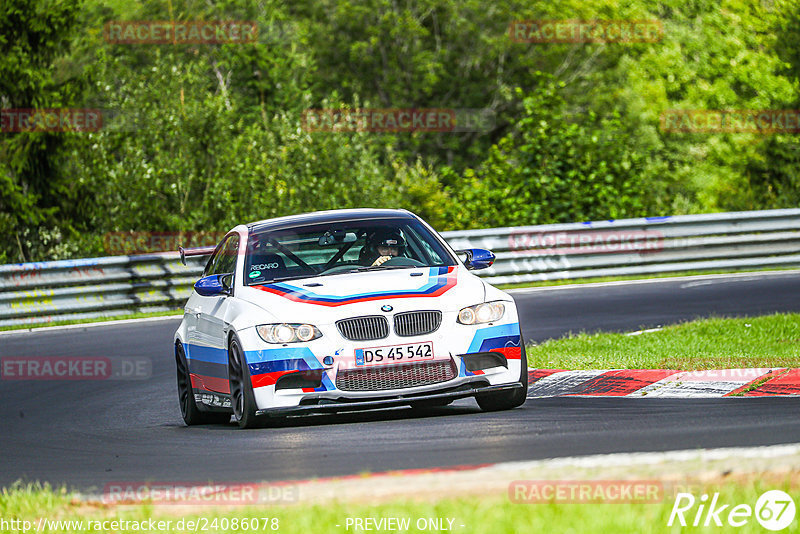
[
  {"x": 242, "y": 399},
  {"x": 192, "y": 415},
  {"x": 506, "y": 400}
]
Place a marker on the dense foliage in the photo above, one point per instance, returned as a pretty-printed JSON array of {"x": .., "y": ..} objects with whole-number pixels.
[{"x": 202, "y": 136}]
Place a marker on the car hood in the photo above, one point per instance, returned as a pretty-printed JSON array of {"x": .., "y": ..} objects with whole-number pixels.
[{"x": 328, "y": 298}]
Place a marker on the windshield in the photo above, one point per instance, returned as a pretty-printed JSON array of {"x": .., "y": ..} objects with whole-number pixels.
[{"x": 335, "y": 248}]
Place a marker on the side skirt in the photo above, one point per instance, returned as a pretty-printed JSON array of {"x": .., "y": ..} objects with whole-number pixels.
[{"x": 212, "y": 402}]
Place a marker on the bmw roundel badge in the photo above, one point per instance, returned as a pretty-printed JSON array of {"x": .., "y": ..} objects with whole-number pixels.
[{"x": 386, "y": 308}]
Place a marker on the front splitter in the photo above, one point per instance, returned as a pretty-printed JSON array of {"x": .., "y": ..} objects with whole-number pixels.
[{"x": 401, "y": 400}]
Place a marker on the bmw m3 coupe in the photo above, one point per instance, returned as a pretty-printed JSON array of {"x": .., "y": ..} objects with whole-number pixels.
[{"x": 343, "y": 310}]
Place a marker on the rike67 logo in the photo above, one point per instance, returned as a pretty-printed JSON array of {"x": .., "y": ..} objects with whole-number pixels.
[{"x": 774, "y": 510}]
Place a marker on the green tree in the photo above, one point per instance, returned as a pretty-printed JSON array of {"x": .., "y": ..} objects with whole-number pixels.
[
  {"x": 39, "y": 203},
  {"x": 773, "y": 174},
  {"x": 557, "y": 167}
]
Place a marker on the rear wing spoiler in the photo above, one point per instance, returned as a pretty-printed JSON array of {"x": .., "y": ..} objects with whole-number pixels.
[{"x": 198, "y": 251}]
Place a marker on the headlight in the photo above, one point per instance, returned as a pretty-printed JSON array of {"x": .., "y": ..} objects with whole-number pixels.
[
  {"x": 288, "y": 333},
  {"x": 487, "y": 312}
]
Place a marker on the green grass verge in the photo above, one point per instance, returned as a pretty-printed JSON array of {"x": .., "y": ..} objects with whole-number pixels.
[
  {"x": 767, "y": 341},
  {"x": 598, "y": 279},
  {"x": 176, "y": 313},
  {"x": 494, "y": 514}
]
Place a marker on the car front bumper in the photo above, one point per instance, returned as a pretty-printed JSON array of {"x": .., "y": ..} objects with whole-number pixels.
[{"x": 319, "y": 404}]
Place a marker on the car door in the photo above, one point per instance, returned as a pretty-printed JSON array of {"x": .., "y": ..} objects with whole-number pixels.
[{"x": 209, "y": 348}]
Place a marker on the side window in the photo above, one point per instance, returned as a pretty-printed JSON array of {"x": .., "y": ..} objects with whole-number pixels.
[
  {"x": 211, "y": 261},
  {"x": 432, "y": 257},
  {"x": 227, "y": 260},
  {"x": 224, "y": 259}
]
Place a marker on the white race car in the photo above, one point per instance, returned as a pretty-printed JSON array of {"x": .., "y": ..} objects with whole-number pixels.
[{"x": 343, "y": 310}]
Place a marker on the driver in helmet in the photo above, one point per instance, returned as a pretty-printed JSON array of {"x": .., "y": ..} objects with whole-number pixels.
[{"x": 382, "y": 246}]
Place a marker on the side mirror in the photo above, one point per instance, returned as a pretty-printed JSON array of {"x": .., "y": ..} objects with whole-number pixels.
[
  {"x": 477, "y": 258},
  {"x": 213, "y": 285}
]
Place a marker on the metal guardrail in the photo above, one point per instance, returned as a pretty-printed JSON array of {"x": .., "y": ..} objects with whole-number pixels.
[
  {"x": 734, "y": 240},
  {"x": 35, "y": 293}
]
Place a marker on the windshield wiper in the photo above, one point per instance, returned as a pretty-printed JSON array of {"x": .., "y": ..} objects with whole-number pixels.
[
  {"x": 382, "y": 268},
  {"x": 285, "y": 278},
  {"x": 354, "y": 270}
]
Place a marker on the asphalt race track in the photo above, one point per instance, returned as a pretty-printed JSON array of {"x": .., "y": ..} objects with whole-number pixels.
[{"x": 89, "y": 433}]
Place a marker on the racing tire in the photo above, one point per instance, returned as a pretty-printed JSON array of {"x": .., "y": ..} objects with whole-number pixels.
[
  {"x": 192, "y": 415},
  {"x": 243, "y": 401},
  {"x": 506, "y": 400}
]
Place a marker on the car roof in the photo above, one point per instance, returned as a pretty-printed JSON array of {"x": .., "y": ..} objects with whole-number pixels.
[{"x": 330, "y": 216}]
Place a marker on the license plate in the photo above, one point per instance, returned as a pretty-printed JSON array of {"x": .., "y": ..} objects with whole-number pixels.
[{"x": 412, "y": 352}]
